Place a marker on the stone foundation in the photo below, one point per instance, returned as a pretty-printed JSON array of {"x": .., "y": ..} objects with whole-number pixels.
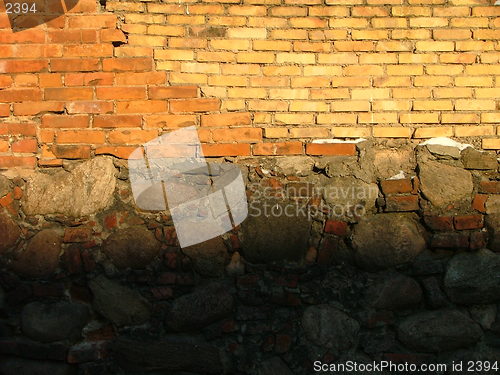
[{"x": 387, "y": 253}]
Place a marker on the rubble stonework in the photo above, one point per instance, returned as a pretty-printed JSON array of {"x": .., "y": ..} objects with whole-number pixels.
[{"x": 381, "y": 267}]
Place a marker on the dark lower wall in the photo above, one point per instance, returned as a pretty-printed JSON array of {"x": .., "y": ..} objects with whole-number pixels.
[{"x": 388, "y": 254}]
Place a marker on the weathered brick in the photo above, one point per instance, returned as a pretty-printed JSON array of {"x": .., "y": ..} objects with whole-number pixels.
[
  {"x": 331, "y": 149},
  {"x": 468, "y": 222}
]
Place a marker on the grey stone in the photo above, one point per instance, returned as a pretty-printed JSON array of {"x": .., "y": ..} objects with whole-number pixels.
[
  {"x": 5, "y": 186},
  {"x": 475, "y": 159},
  {"x": 437, "y": 331},
  {"x": 389, "y": 162},
  {"x": 493, "y": 204},
  {"x": 134, "y": 355},
  {"x": 121, "y": 305},
  {"x": 387, "y": 240},
  {"x": 329, "y": 327},
  {"x": 473, "y": 278},
  {"x": 41, "y": 256},
  {"x": 444, "y": 150},
  {"x": 378, "y": 340},
  {"x": 269, "y": 234},
  {"x": 274, "y": 366},
  {"x": 349, "y": 196},
  {"x": 394, "y": 292},
  {"x": 209, "y": 257},
  {"x": 493, "y": 225},
  {"x": 299, "y": 166},
  {"x": 19, "y": 366},
  {"x": 485, "y": 315},
  {"x": 434, "y": 295},
  {"x": 200, "y": 308},
  {"x": 343, "y": 166},
  {"x": 54, "y": 322},
  {"x": 9, "y": 232},
  {"x": 444, "y": 185},
  {"x": 86, "y": 190},
  {"x": 134, "y": 247}
]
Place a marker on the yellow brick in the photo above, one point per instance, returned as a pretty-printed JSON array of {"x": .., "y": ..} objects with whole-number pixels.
[
  {"x": 271, "y": 45},
  {"x": 195, "y": 67},
  {"x": 198, "y": 8},
  {"x": 308, "y": 22},
  {"x": 275, "y": 132},
  {"x": 452, "y": 34},
  {"x": 311, "y": 47},
  {"x": 337, "y": 58},
  {"x": 378, "y": 93},
  {"x": 454, "y": 11},
  {"x": 242, "y": 10},
  {"x": 350, "y": 132},
  {"x": 475, "y": 105},
  {"x": 434, "y": 46},
  {"x": 322, "y": 70},
  {"x": 330, "y": 94},
  {"x": 369, "y": 34},
  {"x": 245, "y": 92},
  {"x": 457, "y": 58},
  {"x": 147, "y": 40},
  {"x": 247, "y": 33},
  {"x": 227, "y": 80},
  {"x": 391, "y": 105},
  {"x": 347, "y": 46},
  {"x": 430, "y": 81},
  {"x": 351, "y": 82},
  {"x": 363, "y": 70},
  {"x": 405, "y": 70},
  {"x": 493, "y": 93},
  {"x": 473, "y": 131},
  {"x": 233, "y": 105},
  {"x": 310, "y": 82},
  {"x": 444, "y": 70},
  {"x": 474, "y": 81},
  {"x": 392, "y": 132},
  {"x": 336, "y": 118},
  {"x": 493, "y": 117},
  {"x": 484, "y": 69},
  {"x": 230, "y": 44},
  {"x": 165, "y": 30},
  {"x": 268, "y": 105},
  {"x": 226, "y": 21},
  {"x": 173, "y": 54},
  {"x": 350, "y": 106},
  {"x": 475, "y": 45},
  {"x": 270, "y": 81},
  {"x": 187, "y": 43},
  {"x": 389, "y": 23},
  {"x": 469, "y": 22},
  {"x": 404, "y": 11},
  {"x": 428, "y": 22},
  {"x": 330, "y": 11},
  {"x": 459, "y": 118},
  {"x": 295, "y": 58},
  {"x": 241, "y": 69},
  {"x": 293, "y": 118},
  {"x": 168, "y": 65},
  {"x": 411, "y": 93},
  {"x": 308, "y": 106},
  {"x": 378, "y": 118},
  {"x": 419, "y": 118},
  {"x": 215, "y": 56},
  {"x": 455, "y": 92},
  {"x": 378, "y": 58},
  {"x": 288, "y": 93},
  {"x": 394, "y": 46},
  {"x": 288, "y": 34},
  {"x": 281, "y": 70},
  {"x": 491, "y": 143},
  {"x": 309, "y": 133},
  {"x": 144, "y": 18},
  {"x": 394, "y": 81},
  {"x": 341, "y": 23},
  {"x": 255, "y": 57},
  {"x": 411, "y": 34},
  {"x": 292, "y": 11},
  {"x": 185, "y": 20},
  {"x": 433, "y": 131},
  {"x": 432, "y": 105},
  {"x": 194, "y": 78}
]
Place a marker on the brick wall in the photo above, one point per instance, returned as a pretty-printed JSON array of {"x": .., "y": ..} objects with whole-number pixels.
[{"x": 259, "y": 77}]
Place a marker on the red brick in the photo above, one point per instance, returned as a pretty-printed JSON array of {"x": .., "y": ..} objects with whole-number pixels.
[
  {"x": 330, "y": 149},
  {"x": 117, "y": 93},
  {"x": 278, "y": 148},
  {"x": 88, "y": 79},
  {"x": 127, "y": 64},
  {"x": 339, "y": 228},
  {"x": 237, "y": 134},
  {"x": 195, "y": 105},
  {"x": 117, "y": 121},
  {"x": 226, "y": 119},
  {"x": 17, "y": 161},
  {"x": 468, "y": 222},
  {"x": 65, "y": 121},
  {"x": 17, "y": 193},
  {"x": 74, "y": 65},
  {"x": 4, "y": 110},
  {"x": 27, "y": 129},
  {"x": 71, "y": 151},
  {"x": 453, "y": 240},
  {"x": 491, "y": 187},
  {"x": 400, "y": 186},
  {"x": 97, "y": 107},
  {"x": 227, "y": 149},
  {"x": 479, "y": 202},
  {"x": 173, "y": 92},
  {"x": 36, "y": 108},
  {"x": 478, "y": 240},
  {"x": 20, "y": 95},
  {"x": 60, "y": 93},
  {"x": 402, "y": 203},
  {"x": 24, "y": 66},
  {"x": 27, "y": 145},
  {"x": 441, "y": 223},
  {"x": 77, "y": 234},
  {"x": 122, "y": 152}
]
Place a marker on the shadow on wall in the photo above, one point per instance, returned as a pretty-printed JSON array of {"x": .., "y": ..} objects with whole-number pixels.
[{"x": 25, "y": 15}]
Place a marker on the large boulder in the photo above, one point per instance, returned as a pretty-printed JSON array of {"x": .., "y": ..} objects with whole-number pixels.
[
  {"x": 474, "y": 278},
  {"x": 394, "y": 292},
  {"x": 134, "y": 247},
  {"x": 135, "y": 355},
  {"x": 5, "y": 186},
  {"x": 475, "y": 159},
  {"x": 86, "y": 190},
  {"x": 273, "y": 366},
  {"x": 386, "y": 240},
  {"x": 493, "y": 225},
  {"x": 20, "y": 366},
  {"x": 55, "y": 321},
  {"x": 209, "y": 257},
  {"x": 9, "y": 232},
  {"x": 121, "y": 305},
  {"x": 200, "y": 308},
  {"x": 444, "y": 185},
  {"x": 438, "y": 331},
  {"x": 274, "y": 231},
  {"x": 327, "y": 326},
  {"x": 41, "y": 256}
]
